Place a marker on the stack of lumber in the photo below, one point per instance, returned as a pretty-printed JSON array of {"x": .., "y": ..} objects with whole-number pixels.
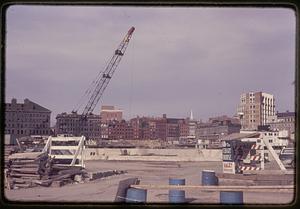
[
  {"x": 37, "y": 168},
  {"x": 8, "y": 150},
  {"x": 23, "y": 168}
]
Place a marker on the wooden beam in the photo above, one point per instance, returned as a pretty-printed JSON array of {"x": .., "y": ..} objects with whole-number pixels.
[
  {"x": 63, "y": 147},
  {"x": 65, "y": 139},
  {"x": 65, "y": 157},
  {"x": 47, "y": 144},
  {"x": 280, "y": 188},
  {"x": 274, "y": 154},
  {"x": 80, "y": 146}
]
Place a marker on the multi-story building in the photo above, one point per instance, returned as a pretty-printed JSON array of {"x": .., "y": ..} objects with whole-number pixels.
[
  {"x": 283, "y": 121},
  {"x": 109, "y": 113},
  {"x": 177, "y": 128},
  {"x": 255, "y": 108},
  {"x": 149, "y": 127},
  {"x": 24, "y": 119},
  {"x": 216, "y": 128},
  {"x": 159, "y": 128},
  {"x": 78, "y": 125},
  {"x": 118, "y": 130}
]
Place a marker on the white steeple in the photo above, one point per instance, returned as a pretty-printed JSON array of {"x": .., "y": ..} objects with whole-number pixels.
[{"x": 191, "y": 116}]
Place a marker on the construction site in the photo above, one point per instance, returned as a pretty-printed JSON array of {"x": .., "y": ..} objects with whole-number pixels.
[{"x": 69, "y": 167}]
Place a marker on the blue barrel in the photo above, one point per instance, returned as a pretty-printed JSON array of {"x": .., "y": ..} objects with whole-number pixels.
[
  {"x": 231, "y": 197},
  {"x": 209, "y": 178},
  {"x": 176, "y": 196},
  {"x": 134, "y": 195}
]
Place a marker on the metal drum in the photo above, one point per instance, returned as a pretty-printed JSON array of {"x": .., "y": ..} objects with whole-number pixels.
[
  {"x": 134, "y": 195},
  {"x": 176, "y": 196},
  {"x": 209, "y": 178},
  {"x": 231, "y": 197}
]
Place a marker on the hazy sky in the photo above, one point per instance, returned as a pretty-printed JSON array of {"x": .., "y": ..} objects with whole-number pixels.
[{"x": 178, "y": 58}]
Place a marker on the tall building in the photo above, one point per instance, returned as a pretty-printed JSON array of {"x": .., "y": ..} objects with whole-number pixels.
[
  {"x": 110, "y": 113},
  {"x": 77, "y": 125},
  {"x": 24, "y": 119},
  {"x": 255, "y": 108}
]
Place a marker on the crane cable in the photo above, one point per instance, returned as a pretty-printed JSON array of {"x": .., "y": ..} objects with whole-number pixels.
[
  {"x": 131, "y": 80},
  {"x": 89, "y": 90}
]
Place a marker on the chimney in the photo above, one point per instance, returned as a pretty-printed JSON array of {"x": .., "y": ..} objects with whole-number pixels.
[{"x": 14, "y": 101}]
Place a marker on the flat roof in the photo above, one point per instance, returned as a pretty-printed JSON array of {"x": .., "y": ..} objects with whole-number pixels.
[{"x": 236, "y": 136}]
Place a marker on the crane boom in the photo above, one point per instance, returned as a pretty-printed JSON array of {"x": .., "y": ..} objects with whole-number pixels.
[{"x": 107, "y": 74}]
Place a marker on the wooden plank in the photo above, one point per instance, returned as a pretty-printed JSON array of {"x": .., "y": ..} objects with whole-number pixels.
[
  {"x": 25, "y": 170},
  {"x": 274, "y": 154},
  {"x": 278, "y": 188},
  {"x": 65, "y": 139},
  {"x": 26, "y": 155},
  {"x": 122, "y": 188},
  {"x": 255, "y": 177},
  {"x": 25, "y": 166},
  {"x": 23, "y": 175},
  {"x": 65, "y": 156},
  {"x": 23, "y": 185},
  {"x": 67, "y": 165},
  {"x": 22, "y": 162},
  {"x": 64, "y": 147}
]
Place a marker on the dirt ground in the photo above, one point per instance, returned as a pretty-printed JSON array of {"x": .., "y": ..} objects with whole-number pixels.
[{"x": 157, "y": 173}]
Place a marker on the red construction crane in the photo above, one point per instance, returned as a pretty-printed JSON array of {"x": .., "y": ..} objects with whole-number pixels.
[{"x": 103, "y": 78}]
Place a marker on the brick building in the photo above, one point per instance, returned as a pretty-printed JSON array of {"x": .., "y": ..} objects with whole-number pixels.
[
  {"x": 162, "y": 128},
  {"x": 255, "y": 108},
  {"x": 148, "y": 128},
  {"x": 77, "y": 125},
  {"x": 216, "y": 128},
  {"x": 118, "y": 130},
  {"x": 110, "y": 113},
  {"x": 177, "y": 128},
  {"x": 24, "y": 119}
]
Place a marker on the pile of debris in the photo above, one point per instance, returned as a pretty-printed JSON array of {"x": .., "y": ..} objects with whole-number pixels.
[{"x": 36, "y": 168}]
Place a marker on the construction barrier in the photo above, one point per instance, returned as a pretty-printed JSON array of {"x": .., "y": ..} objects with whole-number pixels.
[{"x": 249, "y": 168}]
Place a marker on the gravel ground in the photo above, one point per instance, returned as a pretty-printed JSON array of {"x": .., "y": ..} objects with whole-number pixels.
[{"x": 157, "y": 173}]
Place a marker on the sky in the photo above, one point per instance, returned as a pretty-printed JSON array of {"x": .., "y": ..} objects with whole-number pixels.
[{"x": 179, "y": 58}]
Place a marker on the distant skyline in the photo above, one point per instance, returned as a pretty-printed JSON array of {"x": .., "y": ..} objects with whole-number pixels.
[{"x": 179, "y": 58}]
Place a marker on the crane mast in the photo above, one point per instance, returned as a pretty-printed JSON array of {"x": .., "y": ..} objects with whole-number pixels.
[{"x": 107, "y": 74}]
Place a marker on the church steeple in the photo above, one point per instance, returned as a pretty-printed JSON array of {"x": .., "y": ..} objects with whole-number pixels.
[{"x": 191, "y": 116}]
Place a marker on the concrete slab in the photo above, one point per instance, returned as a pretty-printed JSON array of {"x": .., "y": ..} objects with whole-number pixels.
[{"x": 104, "y": 190}]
